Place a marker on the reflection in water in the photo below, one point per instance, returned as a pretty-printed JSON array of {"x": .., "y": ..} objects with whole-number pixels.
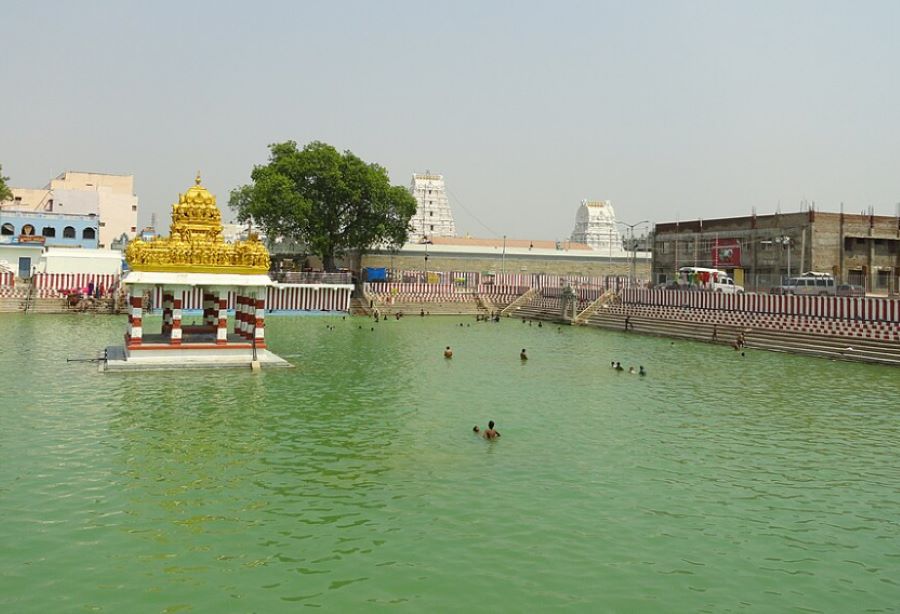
[{"x": 717, "y": 482}]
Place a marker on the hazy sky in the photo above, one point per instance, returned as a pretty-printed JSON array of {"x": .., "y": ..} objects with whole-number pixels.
[{"x": 669, "y": 109}]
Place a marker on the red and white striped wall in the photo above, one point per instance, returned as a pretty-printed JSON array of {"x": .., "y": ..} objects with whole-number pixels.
[
  {"x": 832, "y": 307},
  {"x": 284, "y": 297},
  {"x": 75, "y": 282},
  {"x": 301, "y": 297},
  {"x": 7, "y": 278}
]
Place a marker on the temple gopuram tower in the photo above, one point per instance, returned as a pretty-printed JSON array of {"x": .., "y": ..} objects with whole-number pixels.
[
  {"x": 433, "y": 216},
  {"x": 595, "y": 226}
]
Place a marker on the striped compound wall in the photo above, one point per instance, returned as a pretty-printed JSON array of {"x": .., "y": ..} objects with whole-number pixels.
[
  {"x": 475, "y": 281},
  {"x": 829, "y": 307},
  {"x": 284, "y": 297},
  {"x": 65, "y": 282}
]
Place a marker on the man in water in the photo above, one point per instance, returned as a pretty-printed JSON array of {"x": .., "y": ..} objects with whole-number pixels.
[
  {"x": 476, "y": 430},
  {"x": 490, "y": 432},
  {"x": 642, "y": 372},
  {"x": 448, "y": 353},
  {"x": 523, "y": 355},
  {"x": 619, "y": 367}
]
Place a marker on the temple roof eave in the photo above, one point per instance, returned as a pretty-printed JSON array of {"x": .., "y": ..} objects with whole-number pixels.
[{"x": 154, "y": 278}]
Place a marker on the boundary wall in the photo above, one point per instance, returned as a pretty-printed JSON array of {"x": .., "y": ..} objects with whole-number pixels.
[
  {"x": 74, "y": 281},
  {"x": 831, "y": 307},
  {"x": 7, "y": 278},
  {"x": 290, "y": 297},
  {"x": 481, "y": 282}
]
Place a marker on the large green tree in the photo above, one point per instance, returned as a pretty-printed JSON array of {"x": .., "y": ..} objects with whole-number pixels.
[
  {"x": 5, "y": 192},
  {"x": 333, "y": 202}
]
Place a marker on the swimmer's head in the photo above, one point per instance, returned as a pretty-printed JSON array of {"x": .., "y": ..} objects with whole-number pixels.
[
  {"x": 475, "y": 429},
  {"x": 490, "y": 424}
]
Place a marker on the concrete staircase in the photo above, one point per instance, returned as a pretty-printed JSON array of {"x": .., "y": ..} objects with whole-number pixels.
[{"x": 813, "y": 344}]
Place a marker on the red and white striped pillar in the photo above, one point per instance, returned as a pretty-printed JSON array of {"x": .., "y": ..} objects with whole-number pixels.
[
  {"x": 210, "y": 309},
  {"x": 222, "y": 330},
  {"x": 238, "y": 308},
  {"x": 167, "y": 299},
  {"x": 175, "y": 339},
  {"x": 135, "y": 332},
  {"x": 249, "y": 317},
  {"x": 259, "y": 321}
]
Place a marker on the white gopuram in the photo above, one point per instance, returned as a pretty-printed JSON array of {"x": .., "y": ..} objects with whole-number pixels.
[
  {"x": 595, "y": 226},
  {"x": 433, "y": 216}
]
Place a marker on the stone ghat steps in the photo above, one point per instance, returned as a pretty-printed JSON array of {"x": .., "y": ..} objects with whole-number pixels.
[
  {"x": 431, "y": 307},
  {"x": 536, "y": 312},
  {"x": 38, "y": 305},
  {"x": 827, "y": 346},
  {"x": 359, "y": 307},
  {"x": 54, "y": 305},
  {"x": 844, "y": 328}
]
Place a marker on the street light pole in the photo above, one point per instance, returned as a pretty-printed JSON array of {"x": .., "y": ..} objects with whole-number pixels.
[
  {"x": 631, "y": 228},
  {"x": 503, "y": 257}
]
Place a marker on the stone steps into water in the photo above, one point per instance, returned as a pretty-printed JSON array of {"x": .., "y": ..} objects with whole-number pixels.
[{"x": 827, "y": 346}]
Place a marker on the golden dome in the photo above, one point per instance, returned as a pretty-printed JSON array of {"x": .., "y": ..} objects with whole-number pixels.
[{"x": 195, "y": 243}]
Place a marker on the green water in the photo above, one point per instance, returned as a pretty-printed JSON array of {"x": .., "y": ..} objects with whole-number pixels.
[{"x": 353, "y": 482}]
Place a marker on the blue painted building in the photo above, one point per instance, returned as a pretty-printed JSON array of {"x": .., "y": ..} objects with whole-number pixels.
[{"x": 49, "y": 229}]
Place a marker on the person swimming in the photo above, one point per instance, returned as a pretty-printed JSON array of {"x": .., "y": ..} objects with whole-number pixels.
[
  {"x": 490, "y": 432},
  {"x": 448, "y": 353},
  {"x": 631, "y": 370},
  {"x": 641, "y": 371},
  {"x": 523, "y": 355},
  {"x": 619, "y": 367}
]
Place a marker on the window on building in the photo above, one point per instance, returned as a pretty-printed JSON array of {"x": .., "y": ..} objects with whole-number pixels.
[
  {"x": 28, "y": 229},
  {"x": 102, "y": 224},
  {"x": 7, "y": 229},
  {"x": 48, "y": 231},
  {"x": 134, "y": 207},
  {"x": 89, "y": 233},
  {"x": 432, "y": 227},
  {"x": 68, "y": 232},
  {"x": 134, "y": 229},
  {"x": 431, "y": 213}
]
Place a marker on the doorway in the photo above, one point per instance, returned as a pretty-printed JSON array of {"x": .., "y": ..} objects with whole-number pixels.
[{"x": 25, "y": 267}]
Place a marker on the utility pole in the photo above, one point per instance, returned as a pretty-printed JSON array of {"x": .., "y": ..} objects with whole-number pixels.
[{"x": 633, "y": 245}]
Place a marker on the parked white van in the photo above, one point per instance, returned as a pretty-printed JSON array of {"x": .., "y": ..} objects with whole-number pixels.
[
  {"x": 808, "y": 284},
  {"x": 692, "y": 277}
]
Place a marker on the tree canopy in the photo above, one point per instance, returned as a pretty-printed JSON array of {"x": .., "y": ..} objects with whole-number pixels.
[
  {"x": 333, "y": 202},
  {"x": 5, "y": 192}
]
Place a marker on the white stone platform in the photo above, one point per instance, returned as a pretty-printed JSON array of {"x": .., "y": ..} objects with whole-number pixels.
[{"x": 117, "y": 359}]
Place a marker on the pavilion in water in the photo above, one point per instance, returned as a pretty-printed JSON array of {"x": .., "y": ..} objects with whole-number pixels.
[{"x": 195, "y": 258}]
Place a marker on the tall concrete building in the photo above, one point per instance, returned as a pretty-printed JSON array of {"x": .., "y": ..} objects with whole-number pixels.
[
  {"x": 110, "y": 198},
  {"x": 595, "y": 226},
  {"x": 433, "y": 216},
  {"x": 761, "y": 250}
]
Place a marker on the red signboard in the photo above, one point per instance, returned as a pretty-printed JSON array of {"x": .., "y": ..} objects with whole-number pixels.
[
  {"x": 726, "y": 254},
  {"x": 32, "y": 239}
]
